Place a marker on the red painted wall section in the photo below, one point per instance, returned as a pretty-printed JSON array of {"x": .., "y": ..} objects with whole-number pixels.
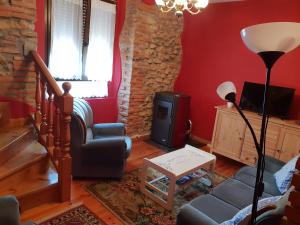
[
  {"x": 105, "y": 109},
  {"x": 149, "y": 2},
  {"x": 213, "y": 52}
]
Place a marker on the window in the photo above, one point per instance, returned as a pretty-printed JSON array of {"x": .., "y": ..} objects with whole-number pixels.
[{"x": 88, "y": 67}]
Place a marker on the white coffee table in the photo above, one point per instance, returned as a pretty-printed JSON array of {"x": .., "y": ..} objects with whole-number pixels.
[{"x": 173, "y": 165}]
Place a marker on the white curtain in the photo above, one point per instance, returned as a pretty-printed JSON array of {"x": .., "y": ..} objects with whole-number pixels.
[
  {"x": 100, "y": 50},
  {"x": 66, "y": 47}
]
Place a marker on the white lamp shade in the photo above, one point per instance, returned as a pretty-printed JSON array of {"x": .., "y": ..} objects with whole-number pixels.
[
  {"x": 277, "y": 36},
  {"x": 225, "y": 88}
]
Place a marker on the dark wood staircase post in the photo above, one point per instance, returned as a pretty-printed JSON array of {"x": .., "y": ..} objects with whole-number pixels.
[{"x": 65, "y": 162}]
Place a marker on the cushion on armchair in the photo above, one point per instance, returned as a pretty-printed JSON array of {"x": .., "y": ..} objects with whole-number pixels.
[
  {"x": 284, "y": 176},
  {"x": 243, "y": 216}
]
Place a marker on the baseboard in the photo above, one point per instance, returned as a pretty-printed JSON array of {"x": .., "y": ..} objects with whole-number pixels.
[
  {"x": 144, "y": 137},
  {"x": 199, "y": 139}
]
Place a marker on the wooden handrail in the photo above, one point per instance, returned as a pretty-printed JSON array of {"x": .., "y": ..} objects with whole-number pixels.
[
  {"x": 46, "y": 74},
  {"x": 52, "y": 120}
]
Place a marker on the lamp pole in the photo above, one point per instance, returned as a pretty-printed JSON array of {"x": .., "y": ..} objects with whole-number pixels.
[
  {"x": 270, "y": 41},
  {"x": 269, "y": 58}
]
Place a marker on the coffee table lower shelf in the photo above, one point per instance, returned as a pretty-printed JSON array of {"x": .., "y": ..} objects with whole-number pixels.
[{"x": 163, "y": 192}]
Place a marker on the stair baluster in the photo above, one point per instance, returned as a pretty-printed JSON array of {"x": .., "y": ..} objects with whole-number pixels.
[
  {"x": 50, "y": 136},
  {"x": 38, "y": 114},
  {"x": 43, "y": 128},
  {"x": 57, "y": 150}
]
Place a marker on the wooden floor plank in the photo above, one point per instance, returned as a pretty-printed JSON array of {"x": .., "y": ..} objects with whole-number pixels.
[{"x": 141, "y": 150}]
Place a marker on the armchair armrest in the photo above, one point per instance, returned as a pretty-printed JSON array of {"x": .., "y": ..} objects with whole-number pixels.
[
  {"x": 273, "y": 165},
  {"x": 109, "y": 129},
  {"x": 9, "y": 211},
  {"x": 106, "y": 150},
  {"x": 188, "y": 215}
]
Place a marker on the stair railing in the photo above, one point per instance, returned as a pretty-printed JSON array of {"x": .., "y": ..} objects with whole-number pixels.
[{"x": 52, "y": 120}]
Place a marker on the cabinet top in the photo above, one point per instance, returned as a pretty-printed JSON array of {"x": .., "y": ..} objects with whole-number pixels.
[{"x": 253, "y": 115}]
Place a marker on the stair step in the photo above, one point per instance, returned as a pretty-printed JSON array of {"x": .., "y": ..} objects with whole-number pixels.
[
  {"x": 12, "y": 141},
  {"x": 28, "y": 155},
  {"x": 39, "y": 176},
  {"x": 4, "y": 113}
]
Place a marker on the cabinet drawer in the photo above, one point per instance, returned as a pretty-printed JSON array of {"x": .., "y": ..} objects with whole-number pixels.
[
  {"x": 251, "y": 148},
  {"x": 273, "y": 134},
  {"x": 249, "y": 157}
]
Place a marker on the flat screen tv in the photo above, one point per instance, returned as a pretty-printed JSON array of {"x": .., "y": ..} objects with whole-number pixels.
[{"x": 280, "y": 99}]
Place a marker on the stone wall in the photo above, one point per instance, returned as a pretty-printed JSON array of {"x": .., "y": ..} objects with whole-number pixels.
[
  {"x": 151, "y": 54},
  {"x": 17, "y": 38}
]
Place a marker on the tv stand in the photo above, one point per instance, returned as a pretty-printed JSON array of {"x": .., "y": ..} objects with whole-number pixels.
[{"x": 233, "y": 139}]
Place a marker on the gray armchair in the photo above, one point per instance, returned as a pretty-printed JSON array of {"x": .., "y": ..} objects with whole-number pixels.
[
  {"x": 98, "y": 150},
  {"x": 9, "y": 211}
]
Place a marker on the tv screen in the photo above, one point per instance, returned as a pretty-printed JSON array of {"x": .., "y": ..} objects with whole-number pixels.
[{"x": 280, "y": 99}]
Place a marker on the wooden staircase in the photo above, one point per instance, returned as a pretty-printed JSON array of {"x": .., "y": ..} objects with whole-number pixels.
[
  {"x": 26, "y": 170},
  {"x": 35, "y": 161}
]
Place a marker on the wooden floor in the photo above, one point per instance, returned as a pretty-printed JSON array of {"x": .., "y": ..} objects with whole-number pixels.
[{"x": 141, "y": 149}]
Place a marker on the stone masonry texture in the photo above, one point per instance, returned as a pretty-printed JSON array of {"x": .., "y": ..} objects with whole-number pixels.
[
  {"x": 151, "y": 53},
  {"x": 17, "y": 38}
]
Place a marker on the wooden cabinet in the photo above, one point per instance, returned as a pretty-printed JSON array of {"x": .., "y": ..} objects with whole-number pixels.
[
  {"x": 290, "y": 146},
  {"x": 233, "y": 139},
  {"x": 228, "y": 127}
]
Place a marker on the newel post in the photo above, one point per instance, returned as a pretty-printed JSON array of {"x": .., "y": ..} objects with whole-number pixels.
[{"x": 65, "y": 161}]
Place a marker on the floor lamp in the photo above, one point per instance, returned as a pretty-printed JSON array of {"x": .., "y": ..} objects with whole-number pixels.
[{"x": 270, "y": 41}]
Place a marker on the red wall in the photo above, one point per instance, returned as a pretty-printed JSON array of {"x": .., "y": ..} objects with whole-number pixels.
[
  {"x": 213, "y": 52},
  {"x": 105, "y": 109}
]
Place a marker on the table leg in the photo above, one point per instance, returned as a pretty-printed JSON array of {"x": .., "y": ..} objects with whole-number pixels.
[
  {"x": 212, "y": 172},
  {"x": 143, "y": 175},
  {"x": 171, "y": 192}
]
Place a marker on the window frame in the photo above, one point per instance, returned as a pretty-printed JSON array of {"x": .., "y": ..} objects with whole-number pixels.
[{"x": 86, "y": 33}]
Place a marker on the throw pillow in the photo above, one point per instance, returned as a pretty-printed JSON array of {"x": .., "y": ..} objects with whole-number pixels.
[
  {"x": 245, "y": 212},
  {"x": 284, "y": 176}
]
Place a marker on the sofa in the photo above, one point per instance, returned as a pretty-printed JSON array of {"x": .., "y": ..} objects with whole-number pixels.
[
  {"x": 98, "y": 150},
  {"x": 9, "y": 211},
  {"x": 233, "y": 195}
]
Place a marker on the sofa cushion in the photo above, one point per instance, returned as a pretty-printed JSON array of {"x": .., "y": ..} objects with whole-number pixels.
[
  {"x": 244, "y": 214},
  {"x": 284, "y": 176},
  {"x": 236, "y": 193},
  {"x": 83, "y": 109},
  {"x": 209, "y": 205},
  {"x": 247, "y": 175}
]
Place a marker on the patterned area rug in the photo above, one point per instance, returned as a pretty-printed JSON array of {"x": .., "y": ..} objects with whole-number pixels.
[
  {"x": 124, "y": 199},
  {"x": 79, "y": 215}
]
